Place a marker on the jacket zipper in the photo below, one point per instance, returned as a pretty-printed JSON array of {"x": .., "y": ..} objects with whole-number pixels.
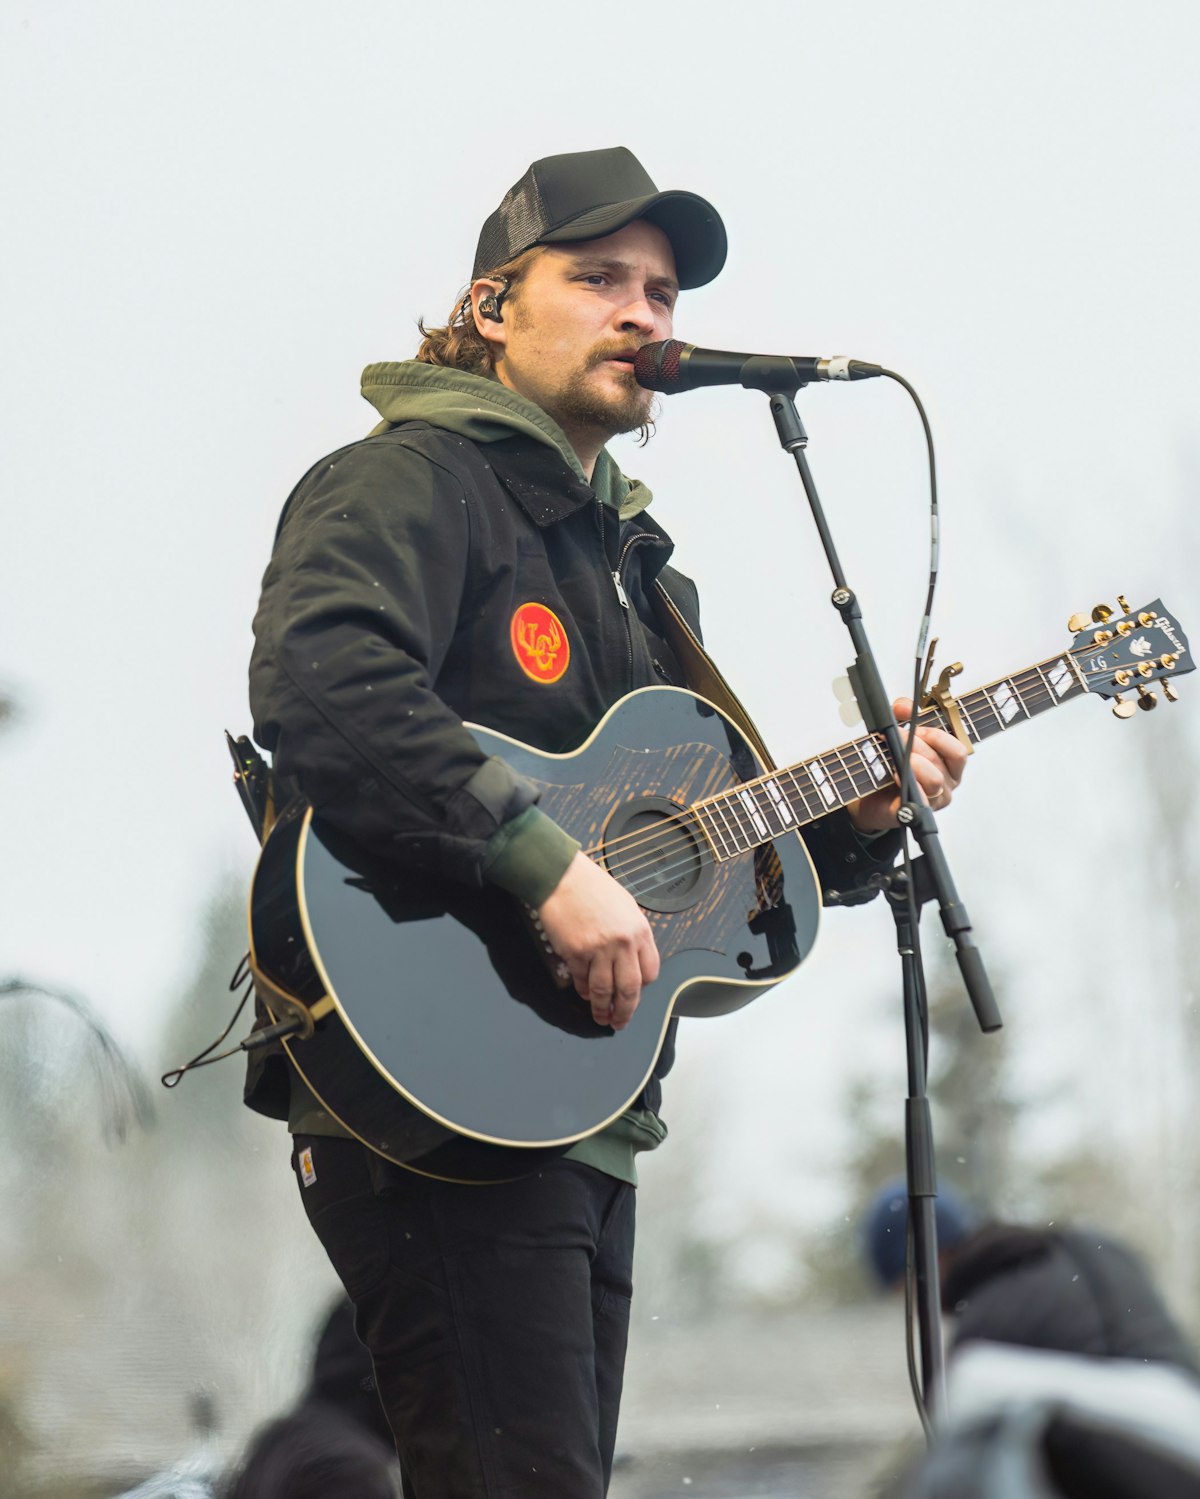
[
  {"x": 619, "y": 587},
  {"x": 623, "y": 599}
]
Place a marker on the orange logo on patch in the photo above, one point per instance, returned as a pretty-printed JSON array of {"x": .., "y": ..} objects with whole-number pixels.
[{"x": 540, "y": 643}]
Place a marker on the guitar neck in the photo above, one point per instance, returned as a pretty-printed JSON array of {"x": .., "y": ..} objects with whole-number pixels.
[{"x": 785, "y": 800}]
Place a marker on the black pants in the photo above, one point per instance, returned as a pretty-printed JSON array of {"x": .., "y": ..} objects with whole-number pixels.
[{"x": 496, "y": 1316}]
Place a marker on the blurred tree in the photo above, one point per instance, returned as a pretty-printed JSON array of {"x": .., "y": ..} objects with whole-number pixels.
[{"x": 973, "y": 1114}]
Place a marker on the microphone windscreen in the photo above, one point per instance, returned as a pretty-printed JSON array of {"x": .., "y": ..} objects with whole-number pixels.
[{"x": 656, "y": 366}]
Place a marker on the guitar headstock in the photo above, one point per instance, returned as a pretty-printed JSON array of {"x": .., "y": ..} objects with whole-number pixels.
[{"x": 1126, "y": 652}]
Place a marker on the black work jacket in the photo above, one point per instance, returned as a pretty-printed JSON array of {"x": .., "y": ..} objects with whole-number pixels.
[{"x": 386, "y": 620}]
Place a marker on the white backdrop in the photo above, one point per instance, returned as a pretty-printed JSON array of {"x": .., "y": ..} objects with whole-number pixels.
[{"x": 217, "y": 215}]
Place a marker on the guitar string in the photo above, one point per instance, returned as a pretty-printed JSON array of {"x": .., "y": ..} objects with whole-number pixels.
[
  {"x": 652, "y": 843},
  {"x": 1029, "y": 676},
  {"x": 839, "y": 777}
]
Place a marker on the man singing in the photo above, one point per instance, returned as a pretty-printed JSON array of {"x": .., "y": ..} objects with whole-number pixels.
[{"x": 408, "y": 573}]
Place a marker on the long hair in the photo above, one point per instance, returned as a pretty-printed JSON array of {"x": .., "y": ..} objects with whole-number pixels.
[{"x": 460, "y": 345}]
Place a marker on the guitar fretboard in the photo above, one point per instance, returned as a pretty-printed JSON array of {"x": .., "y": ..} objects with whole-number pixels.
[{"x": 783, "y": 801}]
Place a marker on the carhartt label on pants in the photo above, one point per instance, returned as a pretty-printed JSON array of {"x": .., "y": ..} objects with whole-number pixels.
[{"x": 308, "y": 1172}]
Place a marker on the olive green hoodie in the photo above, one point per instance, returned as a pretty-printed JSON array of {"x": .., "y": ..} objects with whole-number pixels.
[{"x": 482, "y": 410}]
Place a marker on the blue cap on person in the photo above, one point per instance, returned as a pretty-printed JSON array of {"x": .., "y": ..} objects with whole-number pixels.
[{"x": 885, "y": 1227}]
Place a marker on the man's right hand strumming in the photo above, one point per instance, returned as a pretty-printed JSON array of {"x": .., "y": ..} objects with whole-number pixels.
[{"x": 602, "y": 935}]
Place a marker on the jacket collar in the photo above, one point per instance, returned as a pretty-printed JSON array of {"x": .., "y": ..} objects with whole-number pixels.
[
  {"x": 548, "y": 491},
  {"x": 538, "y": 478}
]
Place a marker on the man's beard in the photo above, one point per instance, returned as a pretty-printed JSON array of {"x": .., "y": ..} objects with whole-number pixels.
[{"x": 610, "y": 412}]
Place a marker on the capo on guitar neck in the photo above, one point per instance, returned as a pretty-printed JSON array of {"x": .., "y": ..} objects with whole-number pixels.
[{"x": 939, "y": 696}]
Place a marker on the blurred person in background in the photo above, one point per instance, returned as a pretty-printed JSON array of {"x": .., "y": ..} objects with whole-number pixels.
[
  {"x": 883, "y": 1233},
  {"x": 1074, "y": 1290},
  {"x": 335, "y": 1442},
  {"x": 1067, "y": 1375}
]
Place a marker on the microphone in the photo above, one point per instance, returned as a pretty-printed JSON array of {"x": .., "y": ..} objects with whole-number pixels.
[{"x": 671, "y": 366}]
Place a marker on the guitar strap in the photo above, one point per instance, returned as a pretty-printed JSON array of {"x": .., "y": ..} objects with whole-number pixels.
[{"x": 702, "y": 674}]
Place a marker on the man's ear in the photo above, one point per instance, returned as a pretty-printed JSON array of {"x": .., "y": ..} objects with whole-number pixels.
[{"x": 487, "y": 296}]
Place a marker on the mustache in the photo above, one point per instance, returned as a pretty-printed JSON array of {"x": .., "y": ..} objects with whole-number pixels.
[{"x": 611, "y": 351}]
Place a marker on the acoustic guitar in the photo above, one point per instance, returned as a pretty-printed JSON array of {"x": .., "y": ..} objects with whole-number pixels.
[{"x": 434, "y": 1022}]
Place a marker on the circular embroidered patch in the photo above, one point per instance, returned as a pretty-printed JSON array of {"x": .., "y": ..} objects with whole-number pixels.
[{"x": 540, "y": 642}]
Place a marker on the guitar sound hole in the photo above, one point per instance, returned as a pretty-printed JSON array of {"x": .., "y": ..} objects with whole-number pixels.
[{"x": 654, "y": 851}]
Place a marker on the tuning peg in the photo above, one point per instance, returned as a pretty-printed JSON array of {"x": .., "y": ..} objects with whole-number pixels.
[
  {"x": 1169, "y": 692},
  {"x": 1146, "y": 699},
  {"x": 1102, "y": 612},
  {"x": 1122, "y": 603},
  {"x": 1076, "y": 623},
  {"x": 1123, "y": 707}
]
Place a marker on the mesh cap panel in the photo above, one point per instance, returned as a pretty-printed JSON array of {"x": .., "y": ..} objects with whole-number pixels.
[{"x": 589, "y": 194}]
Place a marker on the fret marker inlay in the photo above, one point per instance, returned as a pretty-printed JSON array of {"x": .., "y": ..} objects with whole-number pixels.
[
  {"x": 1060, "y": 677},
  {"x": 780, "y": 802},
  {"x": 874, "y": 759},
  {"x": 821, "y": 781},
  {"x": 755, "y": 815},
  {"x": 1006, "y": 702}
]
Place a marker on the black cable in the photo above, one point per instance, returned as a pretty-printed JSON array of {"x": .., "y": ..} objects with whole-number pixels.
[
  {"x": 910, "y": 1288},
  {"x": 908, "y": 794},
  {"x": 241, "y": 975},
  {"x": 907, "y": 789}
]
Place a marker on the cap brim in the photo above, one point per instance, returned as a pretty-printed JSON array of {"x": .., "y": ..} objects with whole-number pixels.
[{"x": 692, "y": 225}]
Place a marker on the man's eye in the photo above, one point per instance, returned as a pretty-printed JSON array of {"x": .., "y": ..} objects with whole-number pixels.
[{"x": 663, "y": 298}]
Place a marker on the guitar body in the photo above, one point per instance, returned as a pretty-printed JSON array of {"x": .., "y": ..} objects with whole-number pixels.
[{"x": 446, "y": 1041}]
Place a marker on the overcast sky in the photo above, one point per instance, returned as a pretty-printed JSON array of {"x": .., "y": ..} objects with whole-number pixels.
[{"x": 218, "y": 214}]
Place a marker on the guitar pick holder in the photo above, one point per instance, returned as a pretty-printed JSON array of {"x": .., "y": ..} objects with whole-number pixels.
[{"x": 906, "y": 890}]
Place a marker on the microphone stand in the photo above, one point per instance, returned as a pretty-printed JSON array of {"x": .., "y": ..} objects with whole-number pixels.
[{"x": 931, "y": 878}]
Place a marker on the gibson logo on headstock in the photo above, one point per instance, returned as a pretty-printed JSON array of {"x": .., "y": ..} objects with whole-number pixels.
[{"x": 1165, "y": 625}]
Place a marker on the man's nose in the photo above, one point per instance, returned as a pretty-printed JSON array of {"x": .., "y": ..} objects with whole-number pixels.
[{"x": 637, "y": 316}]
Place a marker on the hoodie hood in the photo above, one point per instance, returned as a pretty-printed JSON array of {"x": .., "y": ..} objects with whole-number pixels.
[{"x": 483, "y": 411}]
